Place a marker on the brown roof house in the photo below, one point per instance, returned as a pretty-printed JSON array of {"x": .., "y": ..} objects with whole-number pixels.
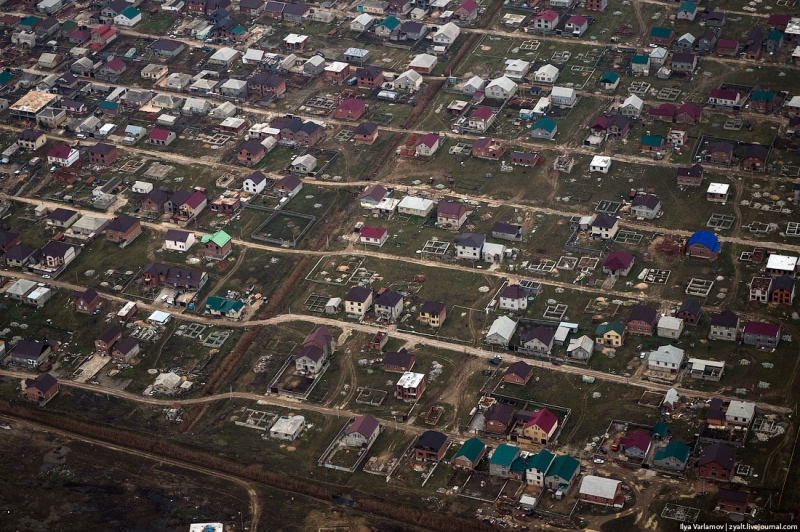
[
  {"x": 518, "y": 373},
  {"x": 732, "y": 501},
  {"x": 86, "y": 302},
  {"x": 362, "y": 432},
  {"x": 102, "y": 154},
  {"x": 537, "y": 341},
  {"x": 690, "y": 176},
  {"x": 8, "y": 240},
  {"x": 107, "y": 338},
  {"x": 642, "y": 320},
  {"x": 689, "y": 312},
  {"x": 41, "y": 389},
  {"x": 498, "y": 418},
  {"x": 433, "y": 313},
  {"x": 755, "y": 158},
  {"x": 250, "y": 152},
  {"x": 123, "y": 351},
  {"x": 365, "y": 133},
  {"x": 398, "y": 362},
  {"x": 431, "y": 446},
  {"x": 123, "y": 230},
  {"x": 716, "y": 462}
]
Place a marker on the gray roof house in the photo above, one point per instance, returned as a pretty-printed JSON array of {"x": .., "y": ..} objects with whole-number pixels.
[
  {"x": 501, "y": 331},
  {"x": 645, "y": 206}
]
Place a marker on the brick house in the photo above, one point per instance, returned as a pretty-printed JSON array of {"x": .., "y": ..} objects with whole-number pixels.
[
  {"x": 124, "y": 350},
  {"x": 782, "y": 291},
  {"x": 41, "y": 389},
  {"x": 518, "y": 373},
  {"x": 102, "y": 154},
  {"x": 399, "y": 361},
  {"x": 154, "y": 201},
  {"x": 498, "y": 418},
  {"x": 369, "y": 77},
  {"x": 716, "y": 462},
  {"x": 488, "y": 148},
  {"x": 85, "y": 302},
  {"x": 431, "y": 446},
  {"x": 365, "y": 133},
  {"x": 720, "y": 153},
  {"x": 410, "y": 386},
  {"x": 690, "y": 176},
  {"x": 350, "y": 109},
  {"x": 689, "y": 312},
  {"x": 661, "y": 36},
  {"x": 642, "y": 320},
  {"x": 688, "y": 113},
  {"x": 123, "y": 229},
  {"x": 755, "y": 158},
  {"x": 250, "y": 152},
  {"x": 703, "y": 245},
  {"x": 732, "y": 501},
  {"x": 106, "y": 340},
  {"x": 216, "y": 246}
]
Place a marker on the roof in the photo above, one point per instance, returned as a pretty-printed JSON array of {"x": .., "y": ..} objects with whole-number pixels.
[
  {"x": 724, "y": 94},
  {"x": 618, "y": 260},
  {"x": 705, "y": 238},
  {"x": 578, "y": 20},
  {"x": 470, "y": 240},
  {"x": 175, "y": 235},
  {"x": 660, "y": 429},
  {"x": 637, "y": 439},
  {"x": 352, "y": 104},
  {"x": 666, "y": 353},
  {"x": 376, "y": 192},
  {"x": 6, "y": 238},
  {"x": 43, "y": 382},
  {"x": 741, "y": 409},
  {"x": 504, "y": 454},
  {"x": 643, "y": 313},
  {"x": 660, "y": 33},
  {"x": 668, "y": 322},
  {"x": 289, "y": 182},
  {"x": 718, "y": 453},
  {"x": 365, "y": 128},
  {"x": 781, "y": 262},
  {"x": 640, "y": 59},
  {"x": 400, "y": 358},
  {"x": 32, "y": 349},
  {"x": 727, "y": 43},
  {"x": 423, "y": 61},
  {"x": 519, "y": 368},
  {"x": 122, "y": 223},
  {"x": 564, "y": 466},
  {"x": 784, "y": 282},
  {"x": 389, "y": 298},
  {"x": 691, "y": 171},
  {"x": 433, "y": 307},
  {"x": 450, "y": 208},
  {"x": 615, "y": 326},
  {"x": 503, "y": 326},
  {"x": 482, "y": 112},
  {"x": 546, "y": 124},
  {"x": 130, "y": 13},
  {"x": 430, "y": 439},
  {"x": 544, "y": 419},
  {"x": 369, "y": 72},
  {"x": 468, "y": 5},
  {"x": 756, "y": 150},
  {"x": 88, "y": 295},
  {"x": 256, "y": 177},
  {"x": 220, "y": 238},
  {"x": 109, "y": 334},
  {"x": 126, "y": 345},
  {"x": 60, "y": 151},
  {"x": 604, "y": 221},
  {"x": 548, "y": 15},
  {"x": 311, "y": 352},
  {"x": 471, "y": 449},
  {"x": 609, "y": 77},
  {"x": 688, "y": 6},
  {"x": 499, "y": 412},
  {"x": 390, "y": 23},
  {"x": 594, "y": 486},
  {"x": 358, "y": 294},
  {"x": 540, "y": 461},
  {"x": 734, "y": 496},
  {"x": 543, "y": 334},
  {"x": 646, "y": 200},
  {"x": 690, "y": 305},
  {"x": 61, "y": 215},
  {"x": 365, "y": 425},
  {"x": 504, "y": 83},
  {"x": 514, "y": 291},
  {"x": 726, "y": 318},
  {"x": 160, "y": 134},
  {"x": 690, "y": 109},
  {"x": 116, "y": 64},
  {"x": 761, "y": 328},
  {"x": 372, "y": 232}
]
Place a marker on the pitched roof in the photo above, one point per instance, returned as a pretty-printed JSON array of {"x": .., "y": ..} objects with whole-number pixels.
[
  {"x": 126, "y": 345},
  {"x": 609, "y": 77},
  {"x": 510, "y": 229},
  {"x": 176, "y": 235},
  {"x": 220, "y": 238},
  {"x": 564, "y": 466},
  {"x": 61, "y": 215},
  {"x": 784, "y": 282},
  {"x": 389, "y": 298},
  {"x": 543, "y": 334},
  {"x": 376, "y": 192},
  {"x": 691, "y": 171},
  {"x": 470, "y": 240},
  {"x": 604, "y": 221},
  {"x": 471, "y": 449},
  {"x": 660, "y": 429},
  {"x": 638, "y": 439},
  {"x": 122, "y": 223},
  {"x": 311, "y": 352},
  {"x": 352, "y": 104},
  {"x": 544, "y": 419},
  {"x": 519, "y": 368},
  {"x": 756, "y": 150},
  {"x": 643, "y": 313},
  {"x": 430, "y": 439},
  {"x": 372, "y": 232},
  {"x": 432, "y": 307},
  {"x": 160, "y": 134},
  {"x": 733, "y": 496},
  {"x": 450, "y": 208},
  {"x": 761, "y": 328},
  {"x": 705, "y": 238},
  {"x": 514, "y": 291},
  {"x": 109, "y": 334},
  {"x": 660, "y": 33},
  {"x": 615, "y": 326},
  {"x": 546, "y": 124},
  {"x": 358, "y": 294},
  {"x": 400, "y": 358},
  {"x": 256, "y": 177},
  {"x": 690, "y": 305},
  {"x": 31, "y": 349},
  {"x": 504, "y": 454},
  {"x": 365, "y": 128},
  {"x": 540, "y": 461},
  {"x": 88, "y": 295},
  {"x": 718, "y": 453},
  {"x": 321, "y": 337},
  {"x": 365, "y": 425},
  {"x": 726, "y": 318},
  {"x": 43, "y": 382},
  {"x": 618, "y": 260},
  {"x": 499, "y": 412},
  {"x": 646, "y": 200}
]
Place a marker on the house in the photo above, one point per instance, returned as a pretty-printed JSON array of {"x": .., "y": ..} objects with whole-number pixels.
[
  {"x": 661, "y": 36},
  {"x": 501, "y": 331},
  {"x": 646, "y": 206},
  {"x": 185, "y": 206},
  {"x": 580, "y": 349},
  {"x": 469, "y": 455},
  {"x": 703, "y": 245},
  {"x": 642, "y": 320},
  {"x": 428, "y": 145},
  {"x": 161, "y": 137},
  {"x": 410, "y": 386},
  {"x": 760, "y": 289},
  {"x": 154, "y": 201},
  {"x": 498, "y": 418},
  {"x": 30, "y": 353},
  {"x": 252, "y": 7},
  {"x": 604, "y": 227},
  {"x": 755, "y": 158},
  {"x": 536, "y": 467},
  {"x": 62, "y": 155},
  {"x": 640, "y": 65},
  {"x": 62, "y": 218},
  {"x": 415, "y": 206},
  {"x": 56, "y": 254},
  {"x": 690, "y": 176},
  {"x": 362, "y": 22},
  {"x": 255, "y": 183},
  {"x": 513, "y": 298},
  {"x": 635, "y": 445},
  {"x": 20, "y": 256},
  {"x": 469, "y": 246},
  {"x": 547, "y": 20},
  {"x": 707, "y": 370},
  {"x": 610, "y": 334},
  {"x": 8, "y": 240},
  {"x": 762, "y": 101},
  {"x": 718, "y": 192},
  {"x": 432, "y": 313},
  {"x": 431, "y": 446},
  {"x": 761, "y": 334},
  {"x": 716, "y": 462},
  {"x": 388, "y": 305},
  {"x": 778, "y": 265},
  {"x": 398, "y": 362},
  {"x": 631, "y": 107},
  {"x": 365, "y": 133},
  {"x": 216, "y": 246},
  {"x": 452, "y": 215},
  {"x": 518, "y": 373},
  {"x": 600, "y": 164},
  {"x": 287, "y": 187},
  {"x": 678, "y": 137},
  {"x": 446, "y": 35},
  {"x": 423, "y": 63},
  {"x": 541, "y": 427},
  {"x": 664, "y": 112},
  {"x": 601, "y": 490},
  {"x": 466, "y": 12},
  {"x": 773, "y": 41},
  {"x": 250, "y": 152},
  {"x": 728, "y": 47},
  {"x": 176, "y": 240},
  {"x": 336, "y": 72},
  {"x": 740, "y": 413},
  {"x": 106, "y": 339},
  {"x": 31, "y": 139},
  {"x": 537, "y": 341},
  {"x": 287, "y": 428},
  {"x": 724, "y": 97},
  {"x": 369, "y": 77},
  {"x": 714, "y": 18},
  {"x": 687, "y": 11},
  {"x": 501, "y": 88},
  {"x": 685, "y": 42},
  {"x": 517, "y": 69},
  {"x": 488, "y": 148},
  {"x": 310, "y": 359},
  {"x": 666, "y": 358},
  {"x": 732, "y": 501},
  {"x": 505, "y": 231},
  {"x": 180, "y": 279},
  {"x": 618, "y": 263},
  {"x": 372, "y": 196},
  {"x": 576, "y": 25},
  {"x": 782, "y": 291},
  {"x": 544, "y": 128},
  {"x": 124, "y": 350},
  {"x": 362, "y": 432},
  {"x": 596, "y": 5},
  {"x": 128, "y": 18},
  {"x": 473, "y": 85},
  {"x": 303, "y": 165},
  {"x": 480, "y": 119},
  {"x": 86, "y": 301},
  {"x": 266, "y": 85},
  {"x": 563, "y": 97},
  {"x": 350, "y": 109},
  {"x": 609, "y": 81},
  {"x": 41, "y": 389},
  {"x": 123, "y": 230},
  {"x": 501, "y": 460},
  {"x": 321, "y": 338},
  {"x": 358, "y": 301},
  {"x": 410, "y": 81},
  {"x": 562, "y": 473},
  {"x": 724, "y": 326},
  {"x": 689, "y": 312},
  {"x": 102, "y": 154}
]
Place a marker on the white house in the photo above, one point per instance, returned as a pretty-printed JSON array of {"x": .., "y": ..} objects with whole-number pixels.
[
  {"x": 410, "y": 80},
  {"x": 473, "y": 84},
  {"x": 669, "y": 327},
  {"x": 363, "y": 22},
  {"x": 255, "y": 183},
  {"x": 373, "y": 236},
  {"x": 666, "y": 358},
  {"x": 493, "y": 252},
  {"x": 414, "y": 206},
  {"x": 167, "y": 382},
  {"x": 469, "y": 246},
  {"x": 389, "y": 305},
  {"x": 287, "y": 428},
  {"x": 142, "y": 187},
  {"x": 600, "y": 164},
  {"x": 128, "y": 18},
  {"x": 362, "y": 432},
  {"x": 631, "y": 107},
  {"x": 513, "y": 298},
  {"x": 501, "y": 331},
  {"x": 740, "y": 413},
  {"x": 358, "y": 301},
  {"x": 546, "y": 74},
  {"x": 563, "y": 97},
  {"x": 446, "y": 35},
  {"x": 516, "y": 69},
  {"x": 177, "y": 240},
  {"x": 501, "y": 88}
]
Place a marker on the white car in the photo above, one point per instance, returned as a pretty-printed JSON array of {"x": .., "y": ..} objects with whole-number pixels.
[{"x": 599, "y": 461}]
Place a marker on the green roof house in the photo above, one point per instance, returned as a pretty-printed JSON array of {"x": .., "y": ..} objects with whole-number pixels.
[
  {"x": 217, "y": 246},
  {"x": 28, "y": 23},
  {"x": 537, "y": 467},
  {"x": 544, "y": 128},
  {"x": 223, "y": 306},
  {"x": 687, "y": 11},
  {"x": 6, "y": 78},
  {"x": 609, "y": 81},
  {"x": 385, "y": 28},
  {"x": 651, "y": 143},
  {"x": 660, "y": 431},
  {"x": 470, "y": 454},
  {"x": 68, "y": 27},
  {"x": 610, "y": 334},
  {"x": 562, "y": 472},
  {"x": 128, "y": 18},
  {"x": 501, "y": 460},
  {"x": 661, "y": 36},
  {"x": 674, "y": 456}
]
